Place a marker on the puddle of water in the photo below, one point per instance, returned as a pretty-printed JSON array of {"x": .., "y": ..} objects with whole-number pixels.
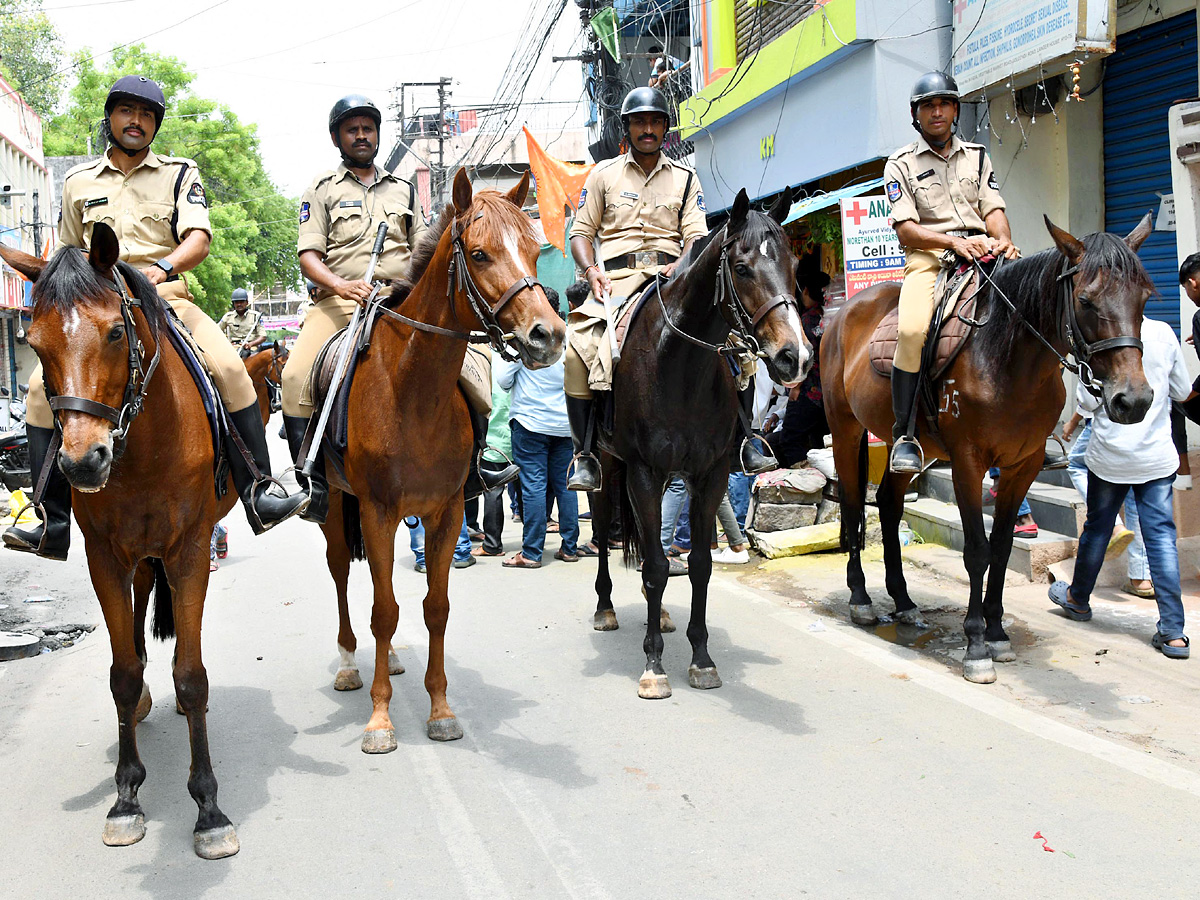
[{"x": 911, "y": 635}]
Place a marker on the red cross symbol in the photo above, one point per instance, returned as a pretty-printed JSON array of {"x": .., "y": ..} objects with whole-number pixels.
[
  {"x": 856, "y": 213},
  {"x": 960, "y": 6}
]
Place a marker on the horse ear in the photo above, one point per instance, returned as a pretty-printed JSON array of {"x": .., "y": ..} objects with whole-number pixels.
[
  {"x": 739, "y": 210},
  {"x": 519, "y": 192},
  {"x": 106, "y": 250},
  {"x": 462, "y": 191},
  {"x": 1067, "y": 245},
  {"x": 782, "y": 205},
  {"x": 29, "y": 266},
  {"x": 1138, "y": 236}
]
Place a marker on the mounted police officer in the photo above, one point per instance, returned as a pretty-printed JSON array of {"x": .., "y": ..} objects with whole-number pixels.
[
  {"x": 944, "y": 197},
  {"x": 159, "y": 210},
  {"x": 243, "y": 325},
  {"x": 646, "y": 210}
]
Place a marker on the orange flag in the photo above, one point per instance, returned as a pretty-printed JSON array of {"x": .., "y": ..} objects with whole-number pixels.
[{"x": 559, "y": 185}]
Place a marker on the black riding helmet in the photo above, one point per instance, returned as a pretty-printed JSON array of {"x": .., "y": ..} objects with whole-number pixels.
[
  {"x": 142, "y": 89},
  {"x": 928, "y": 87},
  {"x": 353, "y": 105},
  {"x": 240, "y": 294},
  {"x": 644, "y": 100}
]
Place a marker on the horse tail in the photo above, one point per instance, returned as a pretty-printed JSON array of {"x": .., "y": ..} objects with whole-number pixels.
[
  {"x": 854, "y": 528},
  {"x": 631, "y": 531},
  {"x": 163, "y": 625},
  {"x": 352, "y": 527}
]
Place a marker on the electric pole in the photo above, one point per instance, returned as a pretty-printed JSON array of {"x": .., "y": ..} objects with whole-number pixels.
[
  {"x": 441, "y": 126},
  {"x": 37, "y": 227}
]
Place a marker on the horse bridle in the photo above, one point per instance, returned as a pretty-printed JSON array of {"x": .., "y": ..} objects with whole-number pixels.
[
  {"x": 1082, "y": 350},
  {"x": 460, "y": 279},
  {"x": 733, "y": 310},
  {"x": 135, "y": 388}
]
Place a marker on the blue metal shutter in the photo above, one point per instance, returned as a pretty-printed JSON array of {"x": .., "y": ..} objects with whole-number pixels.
[{"x": 1153, "y": 67}]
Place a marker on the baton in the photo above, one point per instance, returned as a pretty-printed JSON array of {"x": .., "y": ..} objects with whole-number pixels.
[
  {"x": 606, "y": 300},
  {"x": 343, "y": 357}
]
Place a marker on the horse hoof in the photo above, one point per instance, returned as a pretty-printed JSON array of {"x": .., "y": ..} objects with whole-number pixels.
[
  {"x": 911, "y": 617},
  {"x": 347, "y": 680},
  {"x": 216, "y": 843},
  {"x": 654, "y": 687},
  {"x": 1001, "y": 651},
  {"x": 605, "y": 620},
  {"x": 979, "y": 671},
  {"x": 144, "y": 704},
  {"x": 381, "y": 741},
  {"x": 665, "y": 625},
  {"x": 121, "y": 831},
  {"x": 443, "y": 729},
  {"x": 863, "y": 614},
  {"x": 395, "y": 667},
  {"x": 704, "y": 679}
]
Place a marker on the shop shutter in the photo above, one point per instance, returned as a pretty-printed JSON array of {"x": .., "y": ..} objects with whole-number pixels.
[
  {"x": 1153, "y": 67},
  {"x": 760, "y": 23}
]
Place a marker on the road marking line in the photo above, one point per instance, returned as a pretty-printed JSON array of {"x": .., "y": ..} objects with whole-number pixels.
[{"x": 910, "y": 662}]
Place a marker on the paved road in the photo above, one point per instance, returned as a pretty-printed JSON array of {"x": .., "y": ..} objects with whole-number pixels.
[{"x": 831, "y": 764}]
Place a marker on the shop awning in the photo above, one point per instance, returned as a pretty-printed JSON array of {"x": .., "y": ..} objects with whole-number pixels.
[{"x": 802, "y": 208}]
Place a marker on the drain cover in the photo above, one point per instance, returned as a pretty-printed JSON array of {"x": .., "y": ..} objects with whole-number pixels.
[{"x": 16, "y": 645}]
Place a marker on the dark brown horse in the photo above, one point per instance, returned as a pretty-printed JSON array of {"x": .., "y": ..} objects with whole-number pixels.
[
  {"x": 409, "y": 436},
  {"x": 144, "y": 499},
  {"x": 266, "y": 368},
  {"x": 999, "y": 401},
  {"x": 676, "y": 412}
]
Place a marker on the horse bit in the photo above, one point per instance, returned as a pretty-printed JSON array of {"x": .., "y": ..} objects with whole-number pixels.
[
  {"x": 733, "y": 310},
  {"x": 460, "y": 279}
]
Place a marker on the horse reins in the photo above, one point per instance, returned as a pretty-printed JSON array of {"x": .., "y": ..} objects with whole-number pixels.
[
  {"x": 1082, "y": 350},
  {"x": 460, "y": 279}
]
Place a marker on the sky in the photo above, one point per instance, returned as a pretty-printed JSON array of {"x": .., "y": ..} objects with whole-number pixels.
[{"x": 283, "y": 63}]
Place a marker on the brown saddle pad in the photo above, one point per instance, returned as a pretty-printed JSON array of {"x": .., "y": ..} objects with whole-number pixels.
[
  {"x": 950, "y": 337},
  {"x": 629, "y": 311}
]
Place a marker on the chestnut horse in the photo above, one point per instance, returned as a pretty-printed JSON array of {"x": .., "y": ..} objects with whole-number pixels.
[
  {"x": 266, "y": 368},
  {"x": 409, "y": 437},
  {"x": 675, "y": 412},
  {"x": 143, "y": 495},
  {"x": 999, "y": 401}
]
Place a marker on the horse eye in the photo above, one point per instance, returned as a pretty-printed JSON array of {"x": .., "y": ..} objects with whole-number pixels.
[
  {"x": 479, "y": 256},
  {"x": 742, "y": 269},
  {"x": 1086, "y": 302},
  {"x": 118, "y": 332}
]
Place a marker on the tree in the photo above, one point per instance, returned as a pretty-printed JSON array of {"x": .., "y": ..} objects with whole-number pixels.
[
  {"x": 254, "y": 225},
  {"x": 31, "y": 56}
]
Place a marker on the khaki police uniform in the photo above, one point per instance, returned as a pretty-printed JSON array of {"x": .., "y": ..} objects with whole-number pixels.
[
  {"x": 952, "y": 196},
  {"x": 151, "y": 209},
  {"x": 339, "y": 216},
  {"x": 634, "y": 214},
  {"x": 241, "y": 329}
]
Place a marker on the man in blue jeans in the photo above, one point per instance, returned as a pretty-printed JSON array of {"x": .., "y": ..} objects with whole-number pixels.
[{"x": 1143, "y": 458}]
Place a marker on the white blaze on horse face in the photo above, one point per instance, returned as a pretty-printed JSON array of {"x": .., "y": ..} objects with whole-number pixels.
[
  {"x": 512, "y": 248},
  {"x": 71, "y": 323},
  {"x": 764, "y": 249}
]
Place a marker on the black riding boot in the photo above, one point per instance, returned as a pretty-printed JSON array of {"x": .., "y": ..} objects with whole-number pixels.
[
  {"x": 586, "y": 476},
  {"x": 52, "y": 537},
  {"x": 316, "y": 485},
  {"x": 746, "y": 456},
  {"x": 264, "y": 508},
  {"x": 907, "y": 458},
  {"x": 480, "y": 481}
]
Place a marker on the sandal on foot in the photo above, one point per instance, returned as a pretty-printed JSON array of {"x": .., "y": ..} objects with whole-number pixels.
[
  {"x": 479, "y": 551},
  {"x": 564, "y": 556},
  {"x": 588, "y": 549},
  {"x": 1159, "y": 642},
  {"x": 1147, "y": 593},
  {"x": 1059, "y": 596},
  {"x": 1118, "y": 543},
  {"x": 517, "y": 561},
  {"x": 1028, "y": 530}
]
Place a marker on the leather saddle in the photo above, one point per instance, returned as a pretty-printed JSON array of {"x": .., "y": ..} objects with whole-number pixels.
[
  {"x": 632, "y": 307},
  {"x": 955, "y": 305}
]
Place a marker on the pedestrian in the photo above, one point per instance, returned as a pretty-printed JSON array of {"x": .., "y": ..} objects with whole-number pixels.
[
  {"x": 499, "y": 439},
  {"x": 804, "y": 423},
  {"x": 542, "y": 448},
  {"x": 1140, "y": 457}
]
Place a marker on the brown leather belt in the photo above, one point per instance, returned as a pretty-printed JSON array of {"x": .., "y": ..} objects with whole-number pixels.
[{"x": 642, "y": 259}]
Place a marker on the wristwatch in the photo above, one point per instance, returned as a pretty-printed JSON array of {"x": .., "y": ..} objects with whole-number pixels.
[{"x": 165, "y": 266}]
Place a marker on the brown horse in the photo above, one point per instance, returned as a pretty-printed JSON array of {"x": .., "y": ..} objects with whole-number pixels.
[
  {"x": 143, "y": 495},
  {"x": 999, "y": 401},
  {"x": 266, "y": 368},
  {"x": 409, "y": 436}
]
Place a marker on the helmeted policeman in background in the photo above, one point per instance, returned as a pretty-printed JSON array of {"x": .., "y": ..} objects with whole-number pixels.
[
  {"x": 944, "y": 197},
  {"x": 647, "y": 210},
  {"x": 159, "y": 210},
  {"x": 243, "y": 325}
]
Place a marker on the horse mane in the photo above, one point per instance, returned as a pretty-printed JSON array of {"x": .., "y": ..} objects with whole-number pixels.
[
  {"x": 69, "y": 279},
  {"x": 1031, "y": 284},
  {"x": 493, "y": 227},
  {"x": 759, "y": 227}
]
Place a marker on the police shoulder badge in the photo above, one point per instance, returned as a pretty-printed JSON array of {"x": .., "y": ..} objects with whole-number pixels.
[
  {"x": 893, "y": 191},
  {"x": 992, "y": 183},
  {"x": 700, "y": 203},
  {"x": 582, "y": 197},
  {"x": 195, "y": 194},
  {"x": 305, "y": 212}
]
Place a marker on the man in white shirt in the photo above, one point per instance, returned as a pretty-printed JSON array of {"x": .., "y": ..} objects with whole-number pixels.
[{"x": 1140, "y": 457}]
